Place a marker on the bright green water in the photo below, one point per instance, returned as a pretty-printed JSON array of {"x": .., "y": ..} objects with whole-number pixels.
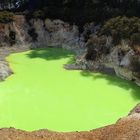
[{"x": 41, "y": 94}]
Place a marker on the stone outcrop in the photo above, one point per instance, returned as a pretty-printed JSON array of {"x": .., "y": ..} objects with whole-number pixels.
[
  {"x": 56, "y": 33},
  {"x": 5, "y": 71},
  {"x": 36, "y": 33},
  {"x": 117, "y": 61}
]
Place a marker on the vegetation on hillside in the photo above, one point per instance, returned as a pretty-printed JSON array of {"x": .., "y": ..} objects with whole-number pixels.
[
  {"x": 135, "y": 65},
  {"x": 123, "y": 28},
  {"x": 75, "y": 11},
  {"x": 6, "y": 17}
]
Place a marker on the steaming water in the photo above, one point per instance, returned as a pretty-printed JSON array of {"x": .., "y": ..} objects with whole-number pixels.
[{"x": 41, "y": 94}]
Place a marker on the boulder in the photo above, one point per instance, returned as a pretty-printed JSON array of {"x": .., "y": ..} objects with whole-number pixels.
[{"x": 5, "y": 71}]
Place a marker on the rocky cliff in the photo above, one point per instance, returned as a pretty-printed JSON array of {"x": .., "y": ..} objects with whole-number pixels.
[
  {"x": 21, "y": 35},
  {"x": 104, "y": 56}
]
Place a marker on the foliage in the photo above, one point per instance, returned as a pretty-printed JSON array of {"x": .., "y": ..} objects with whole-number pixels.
[
  {"x": 122, "y": 28},
  {"x": 36, "y": 14},
  {"x": 82, "y": 11},
  {"x": 135, "y": 65},
  {"x": 39, "y": 14},
  {"x": 135, "y": 39},
  {"x": 96, "y": 46},
  {"x": 6, "y": 17},
  {"x": 76, "y": 11}
]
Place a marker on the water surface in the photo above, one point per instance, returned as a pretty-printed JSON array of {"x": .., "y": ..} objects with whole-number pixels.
[{"x": 41, "y": 94}]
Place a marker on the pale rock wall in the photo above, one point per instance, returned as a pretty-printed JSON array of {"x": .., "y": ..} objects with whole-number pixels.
[{"x": 56, "y": 33}]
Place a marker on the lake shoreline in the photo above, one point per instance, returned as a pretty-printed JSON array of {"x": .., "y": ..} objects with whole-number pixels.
[
  {"x": 97, "y": 134},
  {"x": 5, "y": 70},
  {"x": 126, "y": 128}
]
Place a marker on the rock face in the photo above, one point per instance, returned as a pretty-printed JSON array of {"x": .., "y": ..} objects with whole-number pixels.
[
  {"x": 117, "y": 61},
  {"x": 56, "y": 33},
  {"x": 5, "y": 71},
  {"x": 21, "y": 35},
  {"x": 19, "y": 28},
  {"x": 105, "y": 57},
  {"x": 36, "y": 33},
  {"x": 120, "y": 61}
]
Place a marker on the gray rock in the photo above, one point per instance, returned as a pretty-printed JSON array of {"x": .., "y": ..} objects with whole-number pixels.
[
  {"x": 125, "y": 62},
  {"x": 72, "y": 67},
  {"x": 5, "y": 71},
  {"x": 60, "y": 34}
]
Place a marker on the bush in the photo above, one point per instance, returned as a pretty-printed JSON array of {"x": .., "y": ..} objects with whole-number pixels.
[
  {"x": 97, "y": 46},
  {"x": 135, "y": 42},
  {"x": 135, "y": 66},
  {"x": 121, "y": 28},
  {"x": 135, "y": 39},
  {"x": 6, "y": 17},
  {"x": 39, "y": 14}
]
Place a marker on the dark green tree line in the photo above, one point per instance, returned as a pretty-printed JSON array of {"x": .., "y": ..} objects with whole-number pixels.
[{"x": 77, "y": 10}]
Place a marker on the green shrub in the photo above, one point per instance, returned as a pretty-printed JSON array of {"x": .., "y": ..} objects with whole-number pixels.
[
  {"x": 135, "y": 42},
  {"x": 135, "y": 39},
  {"x": 6, "y": 17},
  {"x": 39, "y": 14},
  {"x": 135, "y": 66},
  {"x": 121, "y": 28},
  {"x": 96, "y": 46}
]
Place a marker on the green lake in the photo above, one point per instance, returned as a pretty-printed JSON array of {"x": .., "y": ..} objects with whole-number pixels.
[{"x": 42, "y": 94}]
